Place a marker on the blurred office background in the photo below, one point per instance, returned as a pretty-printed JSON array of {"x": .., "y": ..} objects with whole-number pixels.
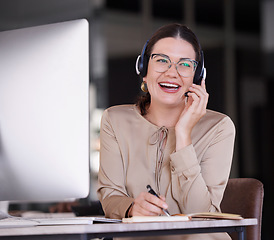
[{"x": 238, "y": 42}]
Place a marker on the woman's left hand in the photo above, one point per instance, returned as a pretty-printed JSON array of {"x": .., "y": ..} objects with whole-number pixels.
[{"x": 194, "y": 110}]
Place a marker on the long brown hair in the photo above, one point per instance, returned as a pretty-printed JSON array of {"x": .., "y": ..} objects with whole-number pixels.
[{"x": 174, "y": 30}]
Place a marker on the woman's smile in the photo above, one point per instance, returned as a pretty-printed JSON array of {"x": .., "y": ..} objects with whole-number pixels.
[{"x": 169, "y": 87}]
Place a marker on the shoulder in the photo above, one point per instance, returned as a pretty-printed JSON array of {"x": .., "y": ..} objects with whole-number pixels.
[
  {"x": 217, "y": 120},
  {"x": 119, "y": 111},
  {"x": 119, "y": 115},
  {"x": 213, "y": 127}
]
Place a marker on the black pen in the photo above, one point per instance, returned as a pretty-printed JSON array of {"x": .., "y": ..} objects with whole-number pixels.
[{"x": 151, "y": 191}]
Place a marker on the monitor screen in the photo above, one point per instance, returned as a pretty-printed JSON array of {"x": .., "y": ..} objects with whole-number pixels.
[{"x": 44, "y": 112}]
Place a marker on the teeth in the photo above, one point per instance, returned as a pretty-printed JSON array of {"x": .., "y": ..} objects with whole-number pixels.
[{"x": 170, "y": 85}]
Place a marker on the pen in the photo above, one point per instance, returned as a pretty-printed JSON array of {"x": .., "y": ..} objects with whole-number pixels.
[{"x": 151, "y": 191}]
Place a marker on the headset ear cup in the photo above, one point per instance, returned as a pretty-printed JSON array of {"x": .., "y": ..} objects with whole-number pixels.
[
  {"x": 198, "y": 74},
  {"x": 200, "y": 70},
  {"x": 141, "y": 62},
  {"x": 141, "y": 65},
  {"x": 145, "y": 65}
]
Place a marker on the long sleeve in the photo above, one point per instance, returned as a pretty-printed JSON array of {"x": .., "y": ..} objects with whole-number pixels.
[
  {"x": 112, "y": 190},
  {"x": 199, "y": 175}
]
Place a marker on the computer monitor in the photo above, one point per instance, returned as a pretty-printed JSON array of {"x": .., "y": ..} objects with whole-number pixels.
[{"x": 44, "y": 113}]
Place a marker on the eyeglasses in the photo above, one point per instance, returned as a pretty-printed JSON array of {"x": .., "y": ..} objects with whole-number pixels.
[{"x": 185, "y": 66}]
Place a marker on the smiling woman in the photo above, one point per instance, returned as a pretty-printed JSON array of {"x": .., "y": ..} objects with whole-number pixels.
[{"x": 169, "y": 139}]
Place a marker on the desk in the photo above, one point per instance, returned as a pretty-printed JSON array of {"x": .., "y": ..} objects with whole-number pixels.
[{"x": 85, "y": 232}]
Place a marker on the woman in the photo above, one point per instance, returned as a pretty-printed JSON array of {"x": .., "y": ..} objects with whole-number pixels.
[{"x": 168, "y": 140}]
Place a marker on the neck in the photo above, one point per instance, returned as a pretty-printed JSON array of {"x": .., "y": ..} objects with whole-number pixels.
[{"x": 164, "y": 116}]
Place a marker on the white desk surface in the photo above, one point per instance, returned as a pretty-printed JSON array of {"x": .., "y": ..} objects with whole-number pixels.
[{"x": 123, "y": 227}]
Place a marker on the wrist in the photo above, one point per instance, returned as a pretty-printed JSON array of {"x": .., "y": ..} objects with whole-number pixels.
[{"x": 183, "y": 140}]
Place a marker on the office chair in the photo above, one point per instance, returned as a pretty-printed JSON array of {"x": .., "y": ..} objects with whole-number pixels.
[{"x": 244, "y": 196}]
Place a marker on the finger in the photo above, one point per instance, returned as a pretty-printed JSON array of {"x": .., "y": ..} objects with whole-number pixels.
[
  {"x": 153, "y": 209},
  {"x": 198, "y": 89},
  {"x": 194, "y": 100},
  {"x": 146, "y": 208},
  {"x": 156, "y": 201},
  {"x": 148, "y": 204},
  {"x": 203, "y": 84},
  {"x": 199, "y": 104},
  {"x": 139, "y": 210},
  {"x": 201, "y": 93},
  {"x": 163, "y": 198},
  {"x": 197, "y": 109}
]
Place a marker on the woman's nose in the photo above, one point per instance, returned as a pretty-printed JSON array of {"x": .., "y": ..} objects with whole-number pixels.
[{"x": 172, "y": 69}]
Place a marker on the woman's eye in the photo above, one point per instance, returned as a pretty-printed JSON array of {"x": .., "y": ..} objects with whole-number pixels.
[
  {"x": 162, "y": 60},
  {"x": 185, "y": 64}
]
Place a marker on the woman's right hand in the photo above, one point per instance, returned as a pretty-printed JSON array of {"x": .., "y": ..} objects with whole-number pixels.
[
  {"x": 194, "y": 110},
  {"x": 147, "y": 204}
]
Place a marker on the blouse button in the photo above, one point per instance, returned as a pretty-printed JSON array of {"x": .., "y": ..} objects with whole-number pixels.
[{"x": 173, "y": 169}]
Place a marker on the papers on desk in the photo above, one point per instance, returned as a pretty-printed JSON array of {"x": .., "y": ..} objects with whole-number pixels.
[
  {"x": 74, "y": 221},
  {"x": 16, "y": 222},
  {"x": 64, "y": 218},
  {"x": 182, "y": 217},
  {"x": 38, "y": 214},
  {"x": 24, "y": 222}
]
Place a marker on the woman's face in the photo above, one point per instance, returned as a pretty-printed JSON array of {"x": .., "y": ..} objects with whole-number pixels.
[{"x": 169, "y": 87}]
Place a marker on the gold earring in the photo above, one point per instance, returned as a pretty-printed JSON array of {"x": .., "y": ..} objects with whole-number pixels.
[{"x": 144, "y": 87}]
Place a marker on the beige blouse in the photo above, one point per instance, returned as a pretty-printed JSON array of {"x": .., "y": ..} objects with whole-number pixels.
[{"x": 132, "y": 155}]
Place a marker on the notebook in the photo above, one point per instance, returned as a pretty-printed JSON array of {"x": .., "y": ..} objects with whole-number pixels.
[{"x": 182, "y": 217}]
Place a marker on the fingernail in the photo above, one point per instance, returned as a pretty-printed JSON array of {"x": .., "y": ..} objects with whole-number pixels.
[{"x": 165, "y": 206}]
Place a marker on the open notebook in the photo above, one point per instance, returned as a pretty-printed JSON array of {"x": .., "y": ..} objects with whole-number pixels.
[{"x": 182, "y": 217}]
